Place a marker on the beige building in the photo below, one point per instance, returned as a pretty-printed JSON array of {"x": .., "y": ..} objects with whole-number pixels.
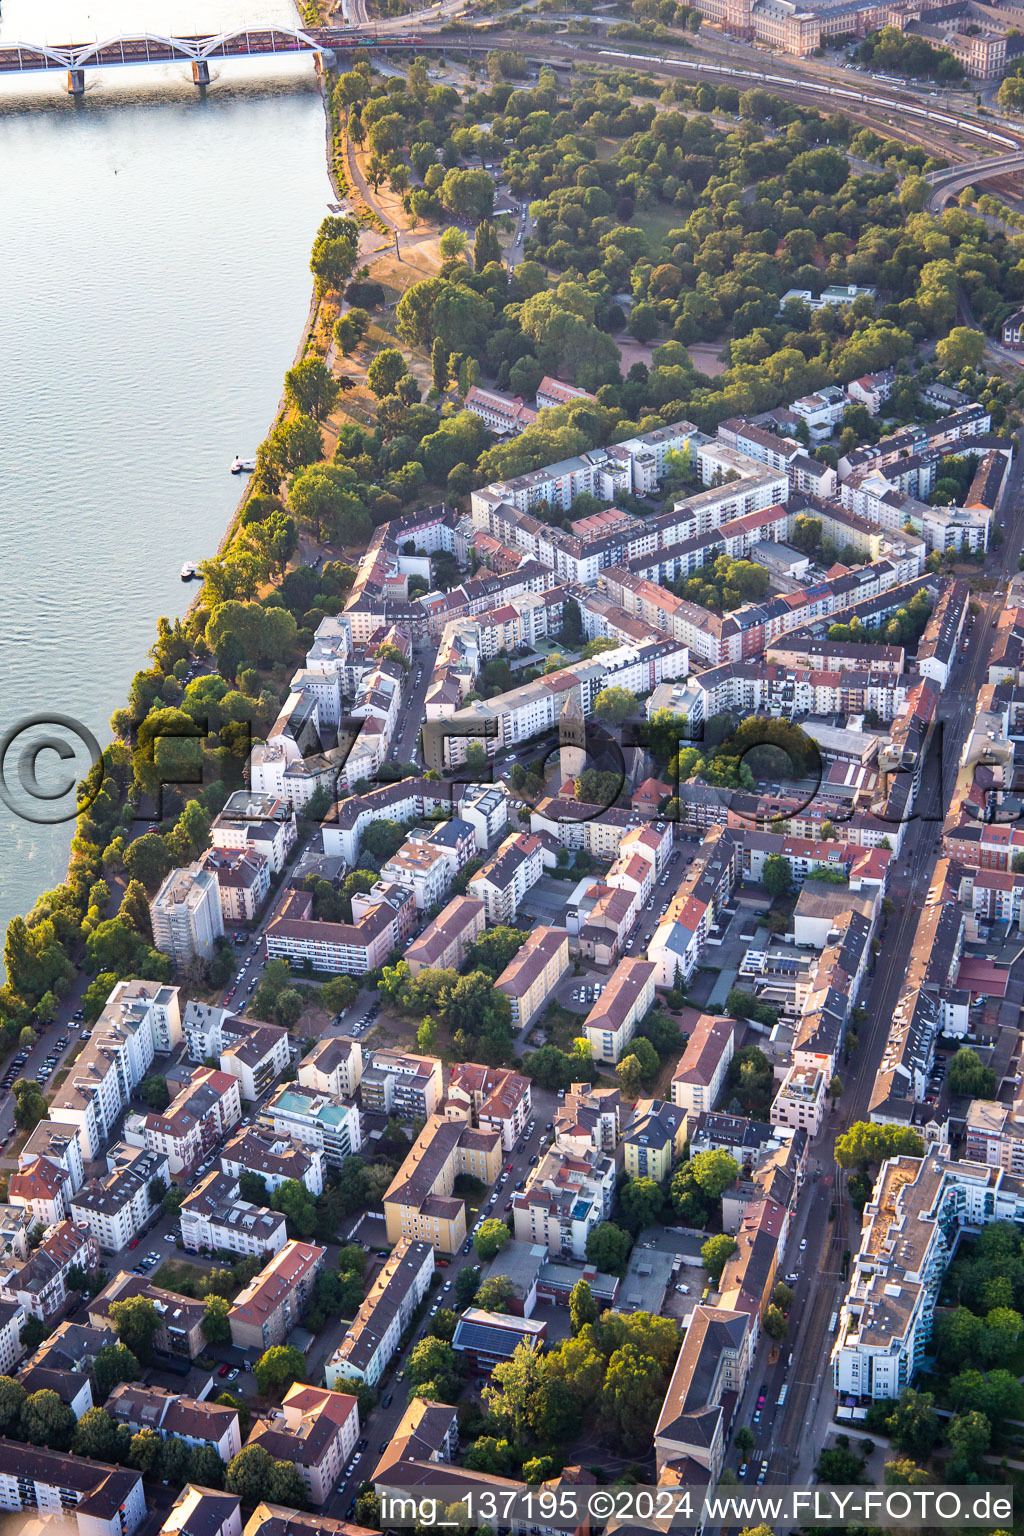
[
  {"x": 334, "y": 1066},
  {"x": 199, "y": 1511},
  {"x": 712, "y": 1366},
  {"x": 700, "y": 1075},
  {"x": 611, "y": 1023},
  {"x": 492, "y": 1098},
  {"x": 420, "y": 1203},
  {"x": 270, "y": 1306},
  {"x": 444, "y": 943},
  {"x": 316, "y": 1431},
  {"x": 532, "y": 975}
]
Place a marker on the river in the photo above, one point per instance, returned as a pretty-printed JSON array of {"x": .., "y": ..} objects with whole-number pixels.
[{"x": 154, "y": 265}]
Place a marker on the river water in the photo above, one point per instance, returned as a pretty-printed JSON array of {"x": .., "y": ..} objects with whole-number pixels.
[{"x": 154, "y": 283}]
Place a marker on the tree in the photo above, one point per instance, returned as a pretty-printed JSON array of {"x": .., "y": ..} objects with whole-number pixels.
[
  {"x": 311, "y": 388},
  {"x": 495, "y": 1293},
  {"x": 776, "y": 1325},
  {"x": 216, "y": 1329},
  {"x": 486, "y": 245},
  {"x": 744, "y": 1440},
  {"x": 45, "y": 1420},
  {"x": 615, "y": 705},
  {"x": 782, "y": 1296},
  {"x": 968, "y": 1075},
  {"x": 608, "y": 1248},
  {"x": 642, "y": 1202},
  {"x": 144, "y": 1451},
  {"x": 277, "y": 1368},
  {"x": 256, "y": 1477},
  {"x": 136, "y": 1323},
  {"x": 384, "y": 373},
  {"x": 112, "y": 1365},
  {"x": 867, "y": 1146},
  {"x": 963, "y": 348},
  {"x": 29, "y": 1105},
  {"x": 452, "y": 244},
  {"x": 99, "y": 1436},
  {"x": 970, "y": 1435},
  {"x": 913, "y": 1426},
  {"x": 297, "y": 1205},
  {"x": 903, "y": 1473},
  {"x": 716, "y": 1253},
  {"x": 334, "y": 254},
  {"x": 490, "y": 1239},
  {"x": 582, "y": 1307},
  {"x": 12, "y": 1400},
  {"x": 714, "y": 1171},
  {"x": 467, "y": 1282},
  {"x": 155, "y": 1092},
  {"x": 439, "y": 365},
  {"x": 513, "y": 1389},
  {"x": 776, "y": 875},
  {"x": 835, "y": 1089},
  {"x": 433, "y": 1362}
]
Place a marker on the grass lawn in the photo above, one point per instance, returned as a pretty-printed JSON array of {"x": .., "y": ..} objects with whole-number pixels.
[
  {"x": 656, "y": 223},
  {"x": 181, "y": 1276}
]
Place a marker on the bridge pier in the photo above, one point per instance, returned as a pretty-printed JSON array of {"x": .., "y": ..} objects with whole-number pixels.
[
  {"x": 201, "y": 72},
  {"x": 76, "y": 82}
]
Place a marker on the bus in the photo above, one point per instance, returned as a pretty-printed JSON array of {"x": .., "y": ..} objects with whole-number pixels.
[
  {"x": 833, "y": 1322},
  {"x": 782, "y": 1397}
]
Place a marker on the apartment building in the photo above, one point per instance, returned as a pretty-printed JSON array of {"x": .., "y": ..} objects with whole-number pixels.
[
  {"x": 140, "y": 1019},
  {"x": 566, "y": 1197},
  {"x": 653, "y": 1141},
  {"x": 316, "y": 1430},
  {"x": 100, "y": 1500},
  {"x": 40, "y": 1186},
  {"x": 397, "y": 1082},
  {"x": 166, "y": 1413},
  {"x": 118, "y": 1207},
  {"x": 504, "y": 414},
  {"x": 181, "y": 1319},
  {"x": 421, "y": 869},
  {"x": 419, "y": 1202},
  {"x": 445, "y": 942},
  {"x": 196, "y": 1120},
  {"x": 253, "y": 1053},
  {"x": 38, "y": 1283},
  {"x": 681, "y": 936},
  {"x": 316, "y": 1119},
  {"x": 588, "y": 1120},
  {"x": 63, "y": 1363},
  {"x": 386, "y": 1312},
  {"x": 995, "y": 1135},
  {"x": 186, "y": 915},
  {"x": 275, "y": 1158},
  {"x": 262, "y": 823},
  {"x": 694, "y": 1420},
  {"x": 271, "y": 1305},
  {"x": 243, "y": 881},
  {"x": 382, "y": 920},
  {"x": 801, "y": 1101},
  {"x": 490, "y": 1098},
  {"x": 504, "y": 880},
  {"x": 627, "y": 998},
  {"x": 334, "y": 1066},
  {"x": 214, "y": 1217},
  {"x": 912, "y": 1224},
  {"x": 201, "y": 1511},
  {"x": 13, "y": 1318},
  {"x": 551, "y": 392},
  {"x": 700, "y": 1076},
  {"x": 531, "y": 976}
]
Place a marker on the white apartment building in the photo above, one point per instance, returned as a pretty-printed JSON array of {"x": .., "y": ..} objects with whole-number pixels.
[
  {"x": 566, "y": 1197},
  {"x": 243, "y": 881},
  {"x": 99, "y": 1500},
  {"x": 918, "y": 1211},
  {"x": 274, "y": 1158},
  {"x": 334, "y": 1066},
  {"x": 214, "y": 1216},
  {"x": 505, "y": 879},
  {"x": 39, "y": 1282},
  {"x": 140, "y": 1019},
  {"x": 117, "y": 1208},
  {"x": 316, "y": 1119},
  {"x": 50, "y": 1171},
  {"x": 385, "y": 1314},
  {"x": 422, "y": 869},
  {"x": 13, "y": 1318},
  {"x": 196, "y": 1120},
  {"x": 260, "y": 822},
  {"x": 186, "y": 915},
  {"x": 801, "y": 1102},
  {"x": 253, "y": 1053}
]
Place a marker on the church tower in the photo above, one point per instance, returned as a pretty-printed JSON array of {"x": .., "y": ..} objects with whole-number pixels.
[{"x": 572, "y": 739}]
